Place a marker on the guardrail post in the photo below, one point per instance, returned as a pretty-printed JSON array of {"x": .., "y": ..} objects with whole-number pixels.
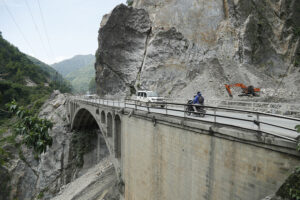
[
  {"x": 184, "y": 111},
  {"x": 166, "y": 106},
  {"x": 258, "y": 123},
  {"x": 135, "y": 105},
  {"x": 215, "y": 115},
  {"x": 148, "y": 109}
]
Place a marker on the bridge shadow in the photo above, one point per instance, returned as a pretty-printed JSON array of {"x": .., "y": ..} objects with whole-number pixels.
[
  {"x": 92, "y": 138},
  {"x": 107, "y": 125}
]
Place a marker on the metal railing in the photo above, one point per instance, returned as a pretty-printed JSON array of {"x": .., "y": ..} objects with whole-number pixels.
[
  {"x": 288, "y": 109},
  {"x": 217, "y": 113}
]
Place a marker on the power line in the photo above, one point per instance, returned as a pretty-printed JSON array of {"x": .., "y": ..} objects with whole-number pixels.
[
  {"x": 36, "y": 28},
  {"x": 45, "y": 29},
  {"x": 18, "y": 27}
]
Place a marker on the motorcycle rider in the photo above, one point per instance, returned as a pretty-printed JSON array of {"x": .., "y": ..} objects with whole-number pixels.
[{"x": 199, "y": 99}]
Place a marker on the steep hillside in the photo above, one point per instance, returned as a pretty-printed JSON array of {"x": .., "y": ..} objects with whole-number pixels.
[
  {"x": 53, "y": 75},
  {"x": 81, "y": 78},
  {"x": 67, "y": 66},
  {"x": 179, "y": 47},
  {"x": 21, "y": 79}
]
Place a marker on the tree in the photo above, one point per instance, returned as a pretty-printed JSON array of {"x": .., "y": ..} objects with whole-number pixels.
[
  {"x": 298, "y": 130},
  {"x": 129, "y": 2},
  {"x": 33, "y": 129}
]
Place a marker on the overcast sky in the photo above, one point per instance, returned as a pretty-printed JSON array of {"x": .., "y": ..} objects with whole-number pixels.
[{"x": 71, "y": 25}]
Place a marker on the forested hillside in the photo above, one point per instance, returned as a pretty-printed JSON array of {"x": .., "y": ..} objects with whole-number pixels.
[
  {"x": 23, "y": 80},
  {"x": 79, "y": 70}
]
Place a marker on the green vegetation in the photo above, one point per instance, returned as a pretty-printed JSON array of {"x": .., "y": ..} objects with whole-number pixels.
[
  {"x": 56, "y": 79},
  {"x": 81, "y": 78},
  {"x": 16, "y": 71},
  {"x": 33, "y": 129},
  {"x": 129, "y": 2},
  {"x": 40, "y": 195},
  {"x": 79, "y": 71},
  {"x": 298, "y": 130},
  {"x": 291, "y": 188}
]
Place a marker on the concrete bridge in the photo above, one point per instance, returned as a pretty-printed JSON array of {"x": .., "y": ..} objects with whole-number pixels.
[{"x": 161, "y": 153}]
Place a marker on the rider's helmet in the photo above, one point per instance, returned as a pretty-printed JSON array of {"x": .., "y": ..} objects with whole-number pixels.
[{"x": 199, "y": 93}]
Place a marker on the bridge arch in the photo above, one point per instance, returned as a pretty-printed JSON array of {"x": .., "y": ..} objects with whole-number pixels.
[
  {"x": 103, "y": 119},
  {"x": 85, "y": 120},
  {"x": 117, "y": 138},
  {"x": 109, "y": 124}
]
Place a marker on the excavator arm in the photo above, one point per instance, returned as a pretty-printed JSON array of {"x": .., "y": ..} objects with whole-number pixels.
[{"x": 246, "y": 90}]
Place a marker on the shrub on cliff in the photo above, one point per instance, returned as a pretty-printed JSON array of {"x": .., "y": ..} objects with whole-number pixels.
[
  {"x": 291, "y": 188},
  {"x": 34, "y": 131}
]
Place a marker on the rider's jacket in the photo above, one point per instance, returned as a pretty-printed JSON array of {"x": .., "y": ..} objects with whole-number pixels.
[{"x": 198, "y": 100}]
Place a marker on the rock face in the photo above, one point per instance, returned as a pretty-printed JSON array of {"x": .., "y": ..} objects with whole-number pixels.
[
  {"x": 179, "y": 47},
  {"x": 61, "y": 164},
  {"x": 122, "y": 41}
]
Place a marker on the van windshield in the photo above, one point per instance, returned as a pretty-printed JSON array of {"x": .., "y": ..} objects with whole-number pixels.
[{"x": 152, "y": 94}]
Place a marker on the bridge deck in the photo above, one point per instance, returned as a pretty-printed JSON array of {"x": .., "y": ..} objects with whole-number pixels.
[{"x": 279, "y": 126}]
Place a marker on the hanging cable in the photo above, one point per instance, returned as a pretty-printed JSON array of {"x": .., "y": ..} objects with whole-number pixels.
[
  {"x": 36, "y": 28},
  {"x": 45, "y": 29},
  {"x": 18, "y": 27}
]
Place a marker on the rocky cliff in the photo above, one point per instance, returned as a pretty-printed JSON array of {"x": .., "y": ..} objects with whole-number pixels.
[{"x": 179, "y": 47}]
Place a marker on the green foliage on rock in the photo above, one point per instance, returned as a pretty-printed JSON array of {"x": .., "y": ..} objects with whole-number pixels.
[
  {"x": 129, "y": 2},
  {"x": 291, "y": 188},
  {"x": 298, "y": 130},
  {"x": 34, "y": 131}
]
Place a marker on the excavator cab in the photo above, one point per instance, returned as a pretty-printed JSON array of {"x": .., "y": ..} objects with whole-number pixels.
[{"x": 246, "y": 91}]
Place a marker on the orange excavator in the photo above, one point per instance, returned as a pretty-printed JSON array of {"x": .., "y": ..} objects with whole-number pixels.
[{"x": 246, "y": 91}]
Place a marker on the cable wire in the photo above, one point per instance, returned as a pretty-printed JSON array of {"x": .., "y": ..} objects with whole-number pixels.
[
  {"x": 18, "y": 27},
  {"x": 45, "y": 29},
  {"x": 36, "y": 28}
]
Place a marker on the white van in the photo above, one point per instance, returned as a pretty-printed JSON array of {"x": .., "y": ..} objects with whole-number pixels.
[{"x": 149, "y": 97}]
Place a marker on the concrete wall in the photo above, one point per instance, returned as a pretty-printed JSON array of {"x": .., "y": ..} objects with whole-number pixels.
[{"x": 165, "y": 162}]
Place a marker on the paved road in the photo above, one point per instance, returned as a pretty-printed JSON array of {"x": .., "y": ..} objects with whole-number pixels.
[{"x": 178, "y": 111}]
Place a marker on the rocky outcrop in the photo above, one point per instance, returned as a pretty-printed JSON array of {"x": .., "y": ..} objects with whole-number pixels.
[
  {"x": 121, "y": 42},
  {"x": 185, "y": 46}
]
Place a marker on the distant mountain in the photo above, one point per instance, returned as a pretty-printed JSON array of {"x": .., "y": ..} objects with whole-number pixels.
[
  {"x": 81, "y": 78},
  {"x": 70, "y": 65},
  {"x": 27, "y": 80}
]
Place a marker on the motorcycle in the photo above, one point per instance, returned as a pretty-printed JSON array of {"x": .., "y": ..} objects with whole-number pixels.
[{"x": 190, "y": 109}]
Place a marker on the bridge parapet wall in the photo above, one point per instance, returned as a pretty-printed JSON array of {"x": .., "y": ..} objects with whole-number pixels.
[{"x": 167, "y": 158}]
